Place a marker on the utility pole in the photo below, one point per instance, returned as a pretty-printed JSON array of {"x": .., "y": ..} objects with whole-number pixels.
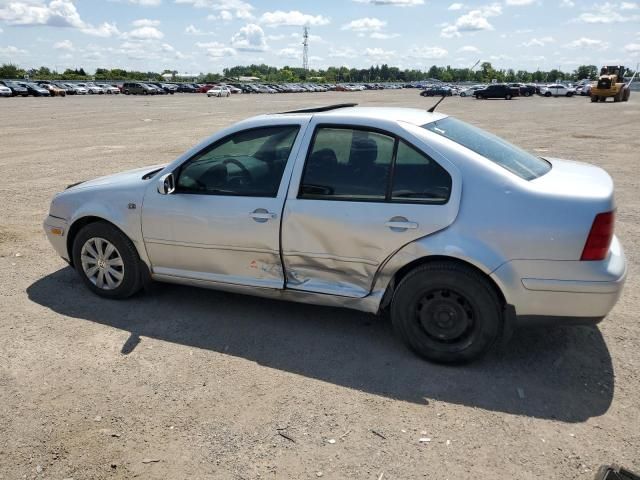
[{"x": 305, "y": 49}]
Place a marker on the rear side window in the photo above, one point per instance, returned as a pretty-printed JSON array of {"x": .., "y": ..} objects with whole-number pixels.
[
  {"x": 417, "y": 177},
  {"x": 495, "y": 149},
  {"x": 348, "y": 164},
  {"x": 361, "y": 165}
]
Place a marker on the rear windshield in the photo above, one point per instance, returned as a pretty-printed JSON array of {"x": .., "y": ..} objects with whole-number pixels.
[{"x": 493, "y": 148}]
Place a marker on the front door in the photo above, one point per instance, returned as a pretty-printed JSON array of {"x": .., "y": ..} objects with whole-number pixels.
[
  {"x": 222, "y": 224},
  {"x": 363, "y": 195}
]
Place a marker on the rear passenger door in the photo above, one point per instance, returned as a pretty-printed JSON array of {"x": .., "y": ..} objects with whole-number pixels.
[{"x": 360, "y": 195}]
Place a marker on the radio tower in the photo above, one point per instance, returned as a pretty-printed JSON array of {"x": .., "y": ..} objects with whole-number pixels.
[{"x": 305, "y": 49}]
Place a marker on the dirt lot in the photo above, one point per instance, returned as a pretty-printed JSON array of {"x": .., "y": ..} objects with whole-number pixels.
[{"x": 186, "y": 383}]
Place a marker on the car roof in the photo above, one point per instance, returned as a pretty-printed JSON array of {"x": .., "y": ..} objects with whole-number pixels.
[{"x": 415, "y": 116}]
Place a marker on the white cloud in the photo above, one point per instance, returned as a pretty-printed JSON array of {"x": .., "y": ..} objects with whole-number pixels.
[
  {"x": 193, "y": 30},
  {"x": 289, "y": 53},
  {"x": 567, "y": 3},
  {"x": 472, "y": 21},
  {"x": 342, "y": 52},
  {"x": 427, "y": 53},
  {"x": 292, "y": 18},
  {"x": 216, "y": 49},
  {"x": 538, "y": 42},
  {"x": 145, "y": 22},
  {"x": 63, "y": 45},
  {"x": 609, "y": 13},
  {"x": 365, "y": 24},
  {"x": 383, "y": 36},
  {"x": 11, "y": 50},
  {"x": 239, "y": 8},
  {"x": 57, "y": 13},
  {"x": 585, "y": 42},
  {"x": 469, "y": 49},
  {"x": 146, "y": 3},
  {"x": 632, "y": 47},
  {"x": 224, "y": 15},
  {"x": 250, "y": 38},
  {"x": 379, "y": 53},
  {"x": 629, "y": 6},
  {"x": 144, "y": 33},
  {"x": 456, "y": 6},
  {"x": 395, "y": 3},
  {"x": 519, "y": 3}
]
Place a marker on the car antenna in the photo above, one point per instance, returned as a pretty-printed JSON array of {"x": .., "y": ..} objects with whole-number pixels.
[{"x": 433, "y": 109}]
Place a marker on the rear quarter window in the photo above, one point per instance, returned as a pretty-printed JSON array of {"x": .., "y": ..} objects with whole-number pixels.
[{"x": 493, "y": 148}]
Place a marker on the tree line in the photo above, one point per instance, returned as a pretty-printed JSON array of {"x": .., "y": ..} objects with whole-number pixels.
[{"x": 378, "y": 73}]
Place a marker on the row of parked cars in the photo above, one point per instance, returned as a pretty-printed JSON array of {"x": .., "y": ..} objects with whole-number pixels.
[{"x": 507, "y": 90}]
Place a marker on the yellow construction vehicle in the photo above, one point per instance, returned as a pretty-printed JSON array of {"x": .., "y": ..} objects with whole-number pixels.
[{"x": 610, "y": 84}]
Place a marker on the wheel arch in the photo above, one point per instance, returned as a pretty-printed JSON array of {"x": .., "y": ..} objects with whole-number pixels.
[
  {"x": 81, "y": 222},
  {"x": 402, "y": 272}
]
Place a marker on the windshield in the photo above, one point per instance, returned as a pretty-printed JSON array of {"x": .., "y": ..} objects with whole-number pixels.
[{"x": 493, "y": 148}]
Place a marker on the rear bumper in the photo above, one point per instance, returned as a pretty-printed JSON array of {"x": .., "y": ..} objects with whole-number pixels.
[{"x": 563, "y": 292}]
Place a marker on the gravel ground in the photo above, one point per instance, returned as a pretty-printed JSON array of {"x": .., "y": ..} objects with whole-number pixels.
[{"x": 186, "y": 383}]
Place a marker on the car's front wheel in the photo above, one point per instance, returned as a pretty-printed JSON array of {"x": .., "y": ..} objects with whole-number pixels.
[
  {"x": 107, "y": 261},
  {"x": 548, "y": 94},
  {"x": 446, "y": 312}
]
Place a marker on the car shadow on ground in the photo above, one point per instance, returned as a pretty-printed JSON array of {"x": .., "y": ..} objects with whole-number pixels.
[{"x": 562, "y": 373}]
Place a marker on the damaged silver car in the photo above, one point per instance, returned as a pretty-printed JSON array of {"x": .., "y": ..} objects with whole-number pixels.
[{"x": 458, "y": 234}]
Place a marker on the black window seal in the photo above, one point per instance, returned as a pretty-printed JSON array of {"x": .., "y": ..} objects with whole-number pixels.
[
  {"x": 178, "y": 171},
  {"x": 388, "y": 193}
]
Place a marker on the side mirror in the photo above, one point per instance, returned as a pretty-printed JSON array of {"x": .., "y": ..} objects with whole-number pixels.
[{"x": 166, "y": 184}]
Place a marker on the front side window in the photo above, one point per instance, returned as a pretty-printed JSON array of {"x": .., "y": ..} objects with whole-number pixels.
[
  {"x": 348, "y": 164},
  {"x": 247, "y": 163},
  {"x": 495, "y": 149}
]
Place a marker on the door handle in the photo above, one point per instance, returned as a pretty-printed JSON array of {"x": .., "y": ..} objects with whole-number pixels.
[
  {"x": 262, "y": 215},
  {"x": 400, "y": 223}
]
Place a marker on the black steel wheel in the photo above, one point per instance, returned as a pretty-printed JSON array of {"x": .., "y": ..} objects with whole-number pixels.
[{"x": 447, "y": 312}]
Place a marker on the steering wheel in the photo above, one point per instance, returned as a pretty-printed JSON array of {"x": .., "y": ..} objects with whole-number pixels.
[{"x": 246, "y": 174}]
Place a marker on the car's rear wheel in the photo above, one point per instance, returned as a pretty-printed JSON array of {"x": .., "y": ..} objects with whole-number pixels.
[
  {"x": 548, "y": 94},
  {"x": 107, "y": 261},
  {"x": 527, "y": 94},
  {"x": 446, "y": 312}
]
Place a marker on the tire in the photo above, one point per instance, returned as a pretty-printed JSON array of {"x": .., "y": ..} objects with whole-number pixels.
[
  {"x": 527, "y": 94},
  {"x": 126, "y": 92},
  {"x": 594, "y": 99},
  {"x": 627, "y": 94},
  {"x": 130, "y": 271},
  {"x": 144, "y": 92},
  {"x": 569, "y": 94},
  {"x": 462, "y": 94},
  {"x": 472, "y": 309},
  {"x": 548, "y": 94},
  {"x": 508, "y": 97}
]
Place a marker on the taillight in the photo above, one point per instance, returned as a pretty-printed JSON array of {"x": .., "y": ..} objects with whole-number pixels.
[{"x": 599, "y": 238}]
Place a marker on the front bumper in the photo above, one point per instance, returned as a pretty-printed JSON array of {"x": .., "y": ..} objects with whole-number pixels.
[
  {"x": 563, "y": 292},
  {"x": 56, "y": 230}
]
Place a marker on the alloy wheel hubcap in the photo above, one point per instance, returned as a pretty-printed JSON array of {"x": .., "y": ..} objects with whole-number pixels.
[{"x": 102, "y": 263}]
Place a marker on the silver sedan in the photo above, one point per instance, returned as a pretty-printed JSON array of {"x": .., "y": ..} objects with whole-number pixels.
[{"x": 457, "y": 234}]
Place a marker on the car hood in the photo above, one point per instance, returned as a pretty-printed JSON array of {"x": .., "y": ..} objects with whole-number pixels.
[{"x": 129, "y": 177}]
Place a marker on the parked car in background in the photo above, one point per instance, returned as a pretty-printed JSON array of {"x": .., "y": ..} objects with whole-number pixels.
[
  {"x": 219, "y": 91},
  {"x": 54, "y": 90},
  {"x": 436, "y": 91},
  {"x": 525, "y": 90},
  {"x": 557, "y": 90},
  {"x": 469, "y": 92},
  {"x": 77, "y": 89},
  {"x": 156, "y": 89},
  {"x": 267, "y": 206},
  {"x": 16, "y": 88},
  {"x": 92, "y": 88},
  {"x": 497, "y": 90},
  {"x": 109, "y": 89},
  {"x": 584, "y": 89},
  {"x": 137, "y": 88},
  {"x": 68, "y": 90},
  {"x": 35, "y": 89},
  {"x": 186, "y": 88},
  {"x": 231, "y": 88},
  {"x": 5, "y": 91}
]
